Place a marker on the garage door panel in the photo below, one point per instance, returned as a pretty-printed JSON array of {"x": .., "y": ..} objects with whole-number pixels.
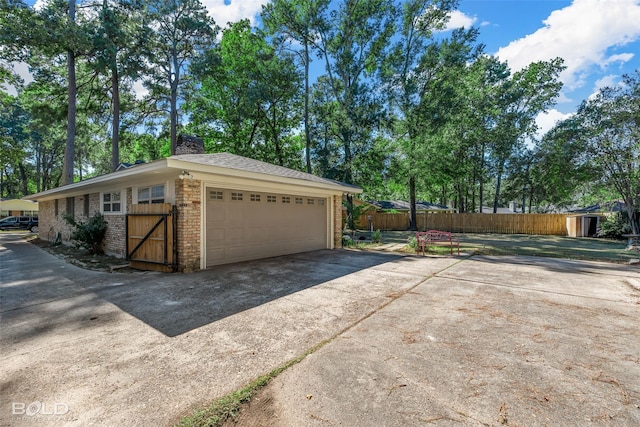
[
  {"x": 216, "y": 233},
  {"x": 261, "y": 225},
  {"x": 216, "y": 214},
  {"x": 215, "y": 255},
  {"x": 258, "y": 234}
]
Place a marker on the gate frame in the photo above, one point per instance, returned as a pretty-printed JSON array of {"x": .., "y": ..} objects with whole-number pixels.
[{"x": 162, "y": 220}]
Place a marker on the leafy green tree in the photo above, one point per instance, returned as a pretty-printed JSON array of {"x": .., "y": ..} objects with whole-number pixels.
[
  {"x": 354, "y": 40},
  {"x": 550, "y": 174},
  {"x": 13, "y": 15},
  {"x": 522, "y": 97},
  {"x": 610, "y": 131},
  {"x": 296, "y": 21},
  {"x": 406, "y": 73},
  {"x": 119, "y": 39},
  {"x": 446, "y": 112},
  {"x": 14, "y": 133},
  {"x": 182, "y": 30},
  {"x": 52, "y": 31},
  {"x": 248, "y": 99}
]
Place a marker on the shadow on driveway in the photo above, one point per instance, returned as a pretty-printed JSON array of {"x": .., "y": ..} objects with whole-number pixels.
[
  {"x": 178, "y": 303},
  {"x": 170, "y": 303}
]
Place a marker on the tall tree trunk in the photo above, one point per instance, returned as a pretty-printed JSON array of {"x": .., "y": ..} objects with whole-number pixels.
[
  {"x": 498, "y": 184},
  {"x": 633, "y": 216},
  {"x": 481, "y": 179},
  {"x": 67, "y": 173},
  {"x": 307, "y": 131},
  {"x": 174, "y": 80},
  {"x": 174, "y": 117},
  {"x": 115, "y": 131},
  {"x": 38, "y": 172},
  {"x": 276, "y": 142},
  {"x": 80, "y": 153},
  {"x": 412, "y": 204},
  {"x": 23, "y": 179}
]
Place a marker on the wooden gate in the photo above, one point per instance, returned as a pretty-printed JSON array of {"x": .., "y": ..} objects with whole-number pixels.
[{"x": 151, "y": 237}]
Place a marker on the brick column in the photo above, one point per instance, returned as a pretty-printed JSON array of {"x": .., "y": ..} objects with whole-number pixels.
[
  {"x": 188, "y": 203},
  {"x": 337, "y": 221}
]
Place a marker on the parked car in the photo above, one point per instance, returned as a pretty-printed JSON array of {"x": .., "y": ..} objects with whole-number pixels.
[{"x": 19, "y": 223}]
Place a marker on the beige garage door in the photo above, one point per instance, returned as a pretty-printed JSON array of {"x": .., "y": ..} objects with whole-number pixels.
[{"x": 244, "y": 225}]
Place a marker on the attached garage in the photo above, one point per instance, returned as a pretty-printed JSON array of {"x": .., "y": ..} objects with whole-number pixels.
[
  {"x": 221, "y": 208},
  {"x": 243, "y": 225}
]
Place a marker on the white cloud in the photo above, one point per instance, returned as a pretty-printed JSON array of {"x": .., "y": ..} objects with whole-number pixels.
[
  {"x": 581, "y": 34},
  {"x": 22, "y": 69},
  {"x": 139, "y": 89},
  {"x": 606, "y": 81},
  {"x": 622, "y": 57},
  {"x": 39, "y": 4},
  {"x": 459, "y": 19},
  {"x": 610, "y": 80},
  {"x": 547, "y": 120},
  {"x": 235, "y": 11}
]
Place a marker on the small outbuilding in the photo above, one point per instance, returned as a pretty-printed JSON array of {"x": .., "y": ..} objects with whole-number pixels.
[
  {"x": 194, "y": 211},
  {"x": 583, "y": 225}
]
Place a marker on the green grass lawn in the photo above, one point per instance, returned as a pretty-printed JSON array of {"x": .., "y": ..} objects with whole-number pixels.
[{"x": 591, "y": 249}]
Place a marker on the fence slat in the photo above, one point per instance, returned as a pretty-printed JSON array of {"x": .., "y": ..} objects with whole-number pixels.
[{"x": 541, "y": 224}]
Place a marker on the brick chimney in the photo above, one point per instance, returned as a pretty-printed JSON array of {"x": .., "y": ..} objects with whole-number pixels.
[{"x": 188, "y": 144}]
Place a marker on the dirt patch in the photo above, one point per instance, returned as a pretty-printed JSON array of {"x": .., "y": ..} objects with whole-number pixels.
[
  {"x": 260, "y": 411},
  {"x": 83, "y": 259}
]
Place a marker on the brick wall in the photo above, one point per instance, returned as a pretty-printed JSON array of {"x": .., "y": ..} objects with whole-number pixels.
[
  {"x": 337, "y": 221},
  {"x": 50, "y": 223},
  {"x": 115, "y": 238},
  {"x": 188, "y": 204}
]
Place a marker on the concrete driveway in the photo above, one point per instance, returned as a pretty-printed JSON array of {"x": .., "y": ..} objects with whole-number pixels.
[{"x": 480, "y": 341}]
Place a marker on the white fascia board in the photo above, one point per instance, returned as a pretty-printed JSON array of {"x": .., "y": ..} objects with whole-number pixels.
[{"x": 110, "y": 180}]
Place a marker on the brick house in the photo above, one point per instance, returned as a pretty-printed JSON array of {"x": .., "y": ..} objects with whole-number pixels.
[{"x": 226, "y": 208}]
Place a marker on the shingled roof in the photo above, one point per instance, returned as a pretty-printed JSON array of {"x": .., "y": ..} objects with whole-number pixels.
[
  {"x": 232, "y": 161},
  {"x": 217, "y": 163}
]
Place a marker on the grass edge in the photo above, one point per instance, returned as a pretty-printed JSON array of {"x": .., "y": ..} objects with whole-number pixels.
[{"x": 228, "y": 406}]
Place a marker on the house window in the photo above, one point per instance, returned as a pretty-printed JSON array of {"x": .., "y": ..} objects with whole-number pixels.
[
  {"x": 236, "y": 196},
  {"x": 298, "y": 200},
  {"x": 271, "y": 199},
  {"x": 56, "y": 207},
  {"x": 216, "y": 195},
  {"x": 86, "y": 206},
  {"x": 286, "y": 199},
  {"x": 321, "y": 202},
  {"x": 111, "y": 202},
  {"x": 310, "y": 201},
  {"x": 255, "y": 197},
  {"x": 152, "y": 195},
  {"x": 71, "y": 207}
]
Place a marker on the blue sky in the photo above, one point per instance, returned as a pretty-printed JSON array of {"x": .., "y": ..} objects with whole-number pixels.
[{"x": 598, "y": 39}]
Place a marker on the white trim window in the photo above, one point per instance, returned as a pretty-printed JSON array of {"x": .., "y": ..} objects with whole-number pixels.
[
  {"x": 111, "y": 202},
  {"x": 153, "y": 194}
]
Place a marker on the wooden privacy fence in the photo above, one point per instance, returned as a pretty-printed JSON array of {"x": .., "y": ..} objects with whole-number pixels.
[
  {"x": 151, "y": 237},
  {"x": 553, "y": 224}
]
